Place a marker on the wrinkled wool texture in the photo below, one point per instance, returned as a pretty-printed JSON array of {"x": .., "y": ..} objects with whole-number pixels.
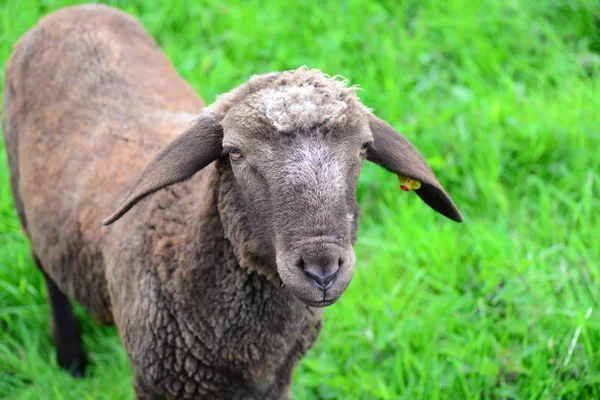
[{"x": 196, "y": 324}]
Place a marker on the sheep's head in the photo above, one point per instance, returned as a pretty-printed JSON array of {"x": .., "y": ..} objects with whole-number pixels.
[{"x": 290, "y": 147}]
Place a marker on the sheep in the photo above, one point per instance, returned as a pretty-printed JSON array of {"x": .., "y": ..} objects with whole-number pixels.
[{"x": 216, "y": 282}]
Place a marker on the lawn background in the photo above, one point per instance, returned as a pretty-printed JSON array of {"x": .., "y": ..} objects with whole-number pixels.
[{"x": 503, "y": 100}]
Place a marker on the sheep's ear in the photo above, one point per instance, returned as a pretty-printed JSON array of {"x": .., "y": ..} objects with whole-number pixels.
[
  {"x": 392, "y": 151},
  {"x": 191, "y": 151}
]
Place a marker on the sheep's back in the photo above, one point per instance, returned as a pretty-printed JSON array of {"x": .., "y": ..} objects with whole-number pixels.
[{"x": 89, "y": 99}]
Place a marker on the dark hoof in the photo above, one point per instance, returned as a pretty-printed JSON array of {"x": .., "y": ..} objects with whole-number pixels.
[
  {"x": 74, "y": 366},
  {"x": 78, "y": 372}
]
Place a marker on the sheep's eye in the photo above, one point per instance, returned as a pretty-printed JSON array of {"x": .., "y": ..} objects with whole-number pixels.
[
  {"x": 365, "y": 147},
  {"x": 235, "y": 153}
]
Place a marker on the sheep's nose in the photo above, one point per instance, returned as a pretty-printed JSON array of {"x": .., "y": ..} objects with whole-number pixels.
[{"x": 321, "y": 273}]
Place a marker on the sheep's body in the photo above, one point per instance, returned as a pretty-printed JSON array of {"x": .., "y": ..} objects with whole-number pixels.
[
  {"x": 192, "y": 275},
  {"x": 77, "y": 133}
]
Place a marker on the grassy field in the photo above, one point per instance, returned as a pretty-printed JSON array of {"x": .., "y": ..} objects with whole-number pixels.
[{"x": 502, "y": 98}]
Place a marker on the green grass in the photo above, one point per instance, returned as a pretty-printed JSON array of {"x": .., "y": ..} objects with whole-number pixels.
[{"x": 502, "y": 98}]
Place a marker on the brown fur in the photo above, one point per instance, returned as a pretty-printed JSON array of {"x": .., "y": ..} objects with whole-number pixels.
[{"x": 191, "y": 275}]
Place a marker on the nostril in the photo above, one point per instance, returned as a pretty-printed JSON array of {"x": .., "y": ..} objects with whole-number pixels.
[{"x": 321, "y": 278}]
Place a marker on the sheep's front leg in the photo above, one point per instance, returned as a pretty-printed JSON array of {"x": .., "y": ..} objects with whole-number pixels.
[{"x": 66, "y": 334}]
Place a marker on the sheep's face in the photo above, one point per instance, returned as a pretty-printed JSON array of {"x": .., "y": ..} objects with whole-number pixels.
[
  {"x": 290, "y": 147},
  {"x": 295, "y": 176}
]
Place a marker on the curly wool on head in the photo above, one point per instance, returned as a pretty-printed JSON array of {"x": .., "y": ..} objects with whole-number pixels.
[{"x": 293, "y": 100}]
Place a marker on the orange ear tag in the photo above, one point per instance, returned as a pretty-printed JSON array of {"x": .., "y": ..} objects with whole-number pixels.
[{"x": 407, "y": 184}]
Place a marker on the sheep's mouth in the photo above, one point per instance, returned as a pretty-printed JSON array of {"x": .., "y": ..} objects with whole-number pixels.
[{"x": 321, "y": 303}]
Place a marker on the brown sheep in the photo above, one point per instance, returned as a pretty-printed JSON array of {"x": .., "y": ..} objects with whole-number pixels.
[{"x": 216, "y": 282}]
